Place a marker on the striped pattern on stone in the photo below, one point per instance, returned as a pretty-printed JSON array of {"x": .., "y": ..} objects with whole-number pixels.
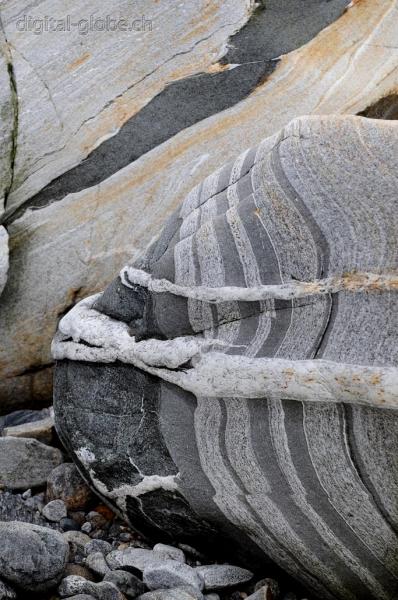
[{"x": 286, "y": 258}]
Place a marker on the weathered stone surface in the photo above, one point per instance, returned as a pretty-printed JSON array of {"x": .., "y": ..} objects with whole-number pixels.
[
  {"x": 136, "y": 558},
  {"x": 3, "y": 258},
  {"x": 97, "y": 564},
  {"x": 126, "y": 582},
  {"x": 31, "y": 557},
  {"x": 218, "y": 577},
  {"x": 246, "y": 363},
  {"x": 169, "y": 552},
  {"x": 181, "y": 593},
  {"x": 65, "y": 483},
  {"x": 55, "y": 510},
  {"x": 57, "y": 130},
  {"x": 14, "y": 508},
  {"x": 98, "y": 546},
  {"x": 171, "y": 574},
  {"x": 26, "y": 463},
  {"x": 38, "y": 430},
  {"x": 344, "y": 69},
  {"x": 73, "y": 584}
]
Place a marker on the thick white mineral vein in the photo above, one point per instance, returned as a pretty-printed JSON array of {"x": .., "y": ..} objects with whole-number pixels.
[{"x": 214, "y": 374}]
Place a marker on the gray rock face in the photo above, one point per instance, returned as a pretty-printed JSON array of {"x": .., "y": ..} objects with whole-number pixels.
[
  {"x": 182, "y": 593},
  {"x": 31, "y": 557},
  {"x": 171, "y": 574},
  {"x": 246, "y": 364},
  {"x": 65, "y": 483},
  {"x": 218, "y": 577},
  {"x": 26, "y": 463}
]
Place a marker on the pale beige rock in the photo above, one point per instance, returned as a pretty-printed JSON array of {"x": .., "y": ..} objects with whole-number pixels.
[
  {"x": 61, "y": 119},
  {"x": 73, "y": 247},
  {"x": 4, "y": 259},
  {"x": 38, "y": 430}
]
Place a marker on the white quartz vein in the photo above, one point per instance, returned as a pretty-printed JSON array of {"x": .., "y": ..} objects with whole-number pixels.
[
  {"x": 213, "y": 373},
  {"x": 350, "y": 282}
]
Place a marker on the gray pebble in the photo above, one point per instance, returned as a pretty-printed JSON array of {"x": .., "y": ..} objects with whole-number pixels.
[
  {"x": 97, "y": 546},
  {"x": 169, "y": 552},
  {"x": 31, "y": 557},
  {"x": 136, "y": 558},
  {"x": 55, "y": 511},
  {"x": 171, "y": 574},
  {"x": 77, "y": 541},
  {"x": 26, "y": 463},
  {"x": 74, "y": 585},
  {"x": 86, "y": 527},
  {"x": 218, "y": 577},
  {"x": 97, "y": 564},
  {"x": 180, "y": 593},
  {"x": 126, "y": 582}
]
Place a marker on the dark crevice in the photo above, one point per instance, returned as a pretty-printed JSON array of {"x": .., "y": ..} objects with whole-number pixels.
[
  {"x": 15, "y": 111},
  {"x": 34, "y": 369},
  {"x": 281, "y": 27},
  {"x": 385, "y": 108},
  {"x": 322, "y": 343}
]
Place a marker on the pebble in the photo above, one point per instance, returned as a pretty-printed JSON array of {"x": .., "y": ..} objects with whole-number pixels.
[
  {"x": 77, "y": 541},
  {"x": 266, "y": 589},
  {"x": 97, "y": 564},
  {"x": 65, "y": 483},
  {"x": 39, "y": 430},
  {"x": 179, "y": 593},
  {"x": 26, "y": 463},
  {"x": 86, "y": 527},
  {"x": 126, "y": 582},
  {"x": 55, "y": 511},
  {"x": 135, "y": 558},
  {"x": 6, "y": 592},
  {"x": 171, "y": 574},
  {"x": 21, "y": 545},
  {"x": 218, "y": 577},
  {"x": 97, "y": 546},
  {"x": 74, "y": 585},
  {"x": 169, "y": 552}
]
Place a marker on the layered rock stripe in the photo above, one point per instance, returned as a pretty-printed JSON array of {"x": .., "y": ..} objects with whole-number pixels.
[
  {"x": 345, "y": 68},
  {"x": 310, "y": 484}
]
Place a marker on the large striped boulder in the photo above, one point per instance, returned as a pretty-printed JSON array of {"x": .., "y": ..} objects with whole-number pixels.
[{"x": 239, "y": 382}]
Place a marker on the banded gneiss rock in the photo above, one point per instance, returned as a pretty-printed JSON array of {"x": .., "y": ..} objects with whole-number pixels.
[{"x": 239, "y": 380}]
